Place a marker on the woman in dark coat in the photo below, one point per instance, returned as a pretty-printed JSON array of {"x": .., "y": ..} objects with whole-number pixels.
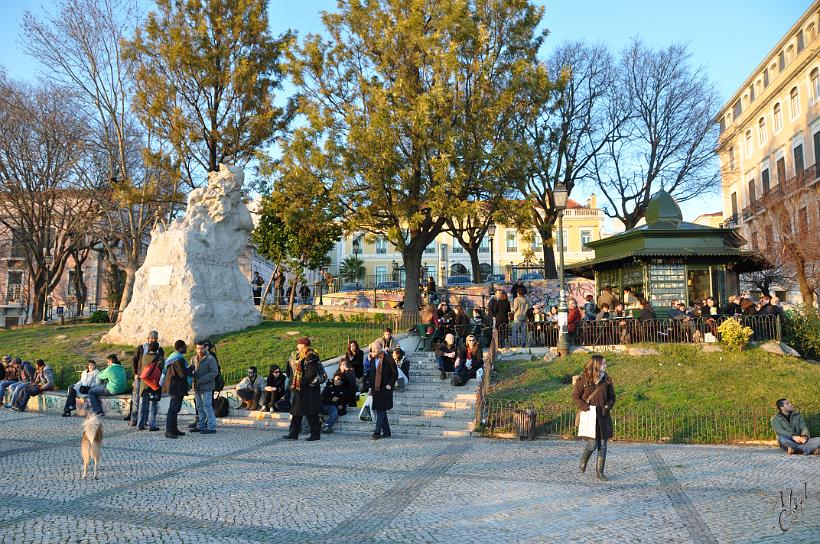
[
  {"x": 274, "y": 389},
  {"x": 384, "y": 376},
  {"x": 594, "y": 388},
  {"x": 355, "y": 358},
  {"x": 305, "y": 388}
]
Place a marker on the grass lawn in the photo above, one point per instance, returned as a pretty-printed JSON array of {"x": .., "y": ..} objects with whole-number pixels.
[
  {"x": 679, "y": 377},
  {"x": 268, "y": 343}
]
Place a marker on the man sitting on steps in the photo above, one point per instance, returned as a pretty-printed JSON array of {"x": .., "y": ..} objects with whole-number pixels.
[
  {"x": 447, "y": 355},
  {"x": 792, "y": 431}
]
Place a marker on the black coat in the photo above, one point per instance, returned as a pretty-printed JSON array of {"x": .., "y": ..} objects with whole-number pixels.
[
  {"x": 602, "y": 395},
  {"x": 383, "y": 398},
  {"x": 176, "y": 379},
  {"x": 308, "y": 400},
  {"x": 500, "y": 309},
  {"x": 341, "y": 392},
  {"x": 356, "y": 362}
]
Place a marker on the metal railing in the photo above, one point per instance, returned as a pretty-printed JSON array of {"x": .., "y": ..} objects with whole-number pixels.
[
  {"x": 643, "y": 424},
  {"x": 483, "y": 389}
]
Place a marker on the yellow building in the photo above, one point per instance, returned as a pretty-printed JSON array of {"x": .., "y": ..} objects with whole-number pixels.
[
  {"x": 445, "y": 257},
  {"x": 770, "y": 139}
]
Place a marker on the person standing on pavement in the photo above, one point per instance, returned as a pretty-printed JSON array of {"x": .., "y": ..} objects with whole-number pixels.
[
  {"x": 305, "y": 388},
  {"x": 205, "y": 372},
  {"x": 133, "y": 415},
  {"x": 256, "y": 285},
  {"x": 384, "y": 380},
  {"x": 150, "y": 390},
  {"x": 594, "y": 390},
  {"x": 175, "y": 385}
]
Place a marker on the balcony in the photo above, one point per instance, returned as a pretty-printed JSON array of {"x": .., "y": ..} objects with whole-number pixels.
[
  {"x": 11, "y": 299},
  {"x": 804, "y": 179}
]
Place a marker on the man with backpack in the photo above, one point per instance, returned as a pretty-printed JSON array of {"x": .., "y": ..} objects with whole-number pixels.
[
  {"x": 136, "y": 360},
  {"x": 205, "y": 374},
  {"x": 150, "y": 373},
  {"x": 308, "y": 375},
  {"x": 175, "y": 385}
]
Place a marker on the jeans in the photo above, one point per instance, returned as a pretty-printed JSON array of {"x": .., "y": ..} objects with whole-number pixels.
[
  {"x": 4, "y": 385},
  {"x": 442, "y": 364},
  {"x": 135, "y": 400},
  {"x": 23, "y": 394},
  {"x": 520, "y": 333},
  {"x": 14, "y": 391},
  {"x": 145, "y": 404},
  {"x": 94, "y": 395},
  {"x": 173, "y": 411},
  {"x": 810, "y": 445},
  {"x": 596, "y": 443},
  {"x": 204, "y": 401},
  {"x": 382, "y": 425},
  {"x": 332, "y": 415},
  {"x": 71, "y": 400}
]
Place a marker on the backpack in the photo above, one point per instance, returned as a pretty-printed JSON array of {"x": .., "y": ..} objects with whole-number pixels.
[
  {"x": 152, "y": 373},
  {"x": 220, "y": 405},
  {"x": 219, "y": 381},
  {"x": 321, "y": 375}
]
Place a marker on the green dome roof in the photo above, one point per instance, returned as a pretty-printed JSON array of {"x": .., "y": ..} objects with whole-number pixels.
[{"x": 662, "y": 207}]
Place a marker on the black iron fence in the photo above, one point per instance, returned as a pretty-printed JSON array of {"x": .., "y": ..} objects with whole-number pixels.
[
  {"x": 641, "y": 424},
  {"x": 631, "y": 331}
]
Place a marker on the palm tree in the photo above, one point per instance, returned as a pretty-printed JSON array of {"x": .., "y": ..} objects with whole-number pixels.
[{"x": 352, "y": 269}]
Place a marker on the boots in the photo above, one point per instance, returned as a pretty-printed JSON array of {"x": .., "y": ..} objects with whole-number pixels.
[
  {"x": 585, "y": 455},
  {"x": 599, "y": 470}
]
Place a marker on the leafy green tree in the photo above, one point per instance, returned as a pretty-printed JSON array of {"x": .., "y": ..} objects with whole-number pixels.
[
  {"x": 205, "y": 80},
  {"x": 352, "y": 269},
  {"x": 408, "y": 108}
]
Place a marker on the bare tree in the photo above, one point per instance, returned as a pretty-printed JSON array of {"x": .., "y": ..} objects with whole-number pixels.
[
  {"x": 669, "y": 139},
  {"x": 796, "y": 231},
  {"x": 780, "y": 275},
  {"x": 80, "y": 44},
  {"x": 42, "y": 203},
  {"x": 573, "y": 123}
]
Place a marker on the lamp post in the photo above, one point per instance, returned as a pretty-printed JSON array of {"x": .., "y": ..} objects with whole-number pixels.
[
  {"x": 491, "y": 234},
  {"x": 559, "y": 195},
  {"x": 356, "y": 246},
  {"x": 46, "y": 259}
]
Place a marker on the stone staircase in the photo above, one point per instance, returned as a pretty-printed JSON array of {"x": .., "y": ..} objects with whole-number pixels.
[{"x": 428, "y": 406}]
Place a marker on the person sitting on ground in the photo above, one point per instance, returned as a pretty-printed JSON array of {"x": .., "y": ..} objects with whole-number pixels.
[
  {"x": 88, "y": 379},
  {"x": 334, "y": 401},
  {"x": 11, "y": 375},
  {"x": 273, "y": 390},
  {"x": 349, "y": 381},
  {"x": 446, "y": 355},
  {"x": 477, "y": 324},
  {"x": 43, "y": 380},
  {"x": 603, "y": 315},
  {"x": 606, "y": 297},
  {"x": 115, "y": 382},
  {"x": 460, "y": 321},
  {"x": 792, "y": 431},
  {"x": 445, "y": 316},
  {"x": 590, "y": 309},
  {"x": 402, "y": 364},
  {"x": 469, "y": 361},
  {"x": 6, "y": 362},
  {"x": 250, "y": 389},
  {"x": 355, "y": 358},
  {"x": 25, "y": 376}
]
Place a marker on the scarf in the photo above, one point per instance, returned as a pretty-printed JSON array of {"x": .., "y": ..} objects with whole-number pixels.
[
  {"x": 379, "y": 362},
  {"x": 298, "y": 367}
]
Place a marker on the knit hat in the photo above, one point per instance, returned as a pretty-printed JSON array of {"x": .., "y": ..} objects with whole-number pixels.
[{"x": 303, "y": 340}]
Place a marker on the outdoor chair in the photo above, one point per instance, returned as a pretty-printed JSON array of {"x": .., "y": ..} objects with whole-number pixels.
[{"x": 425, "y": 339}]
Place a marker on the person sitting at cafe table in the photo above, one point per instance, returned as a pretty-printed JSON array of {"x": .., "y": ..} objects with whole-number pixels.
[
  {"x": 603, "y": 315},
  {"x": 630, "y": 300}
]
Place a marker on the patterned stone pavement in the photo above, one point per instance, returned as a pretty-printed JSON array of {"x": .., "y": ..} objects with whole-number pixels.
[{"x": 249, "y": 485}]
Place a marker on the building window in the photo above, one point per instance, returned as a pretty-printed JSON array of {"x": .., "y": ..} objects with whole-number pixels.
[
  {"x": 537, "y": 243},
  {"x": 764, "y": 178},
  {"x": 381, "y": 246},
  {"x": 769, "y": 238},
  {"x": 803, "y": 219},
  {"x": 790, "y": 54},
  {"x": 800, "y": 43},
  {"x": 564, "y": 240},
  {"x": 781, "y": 170},
  {"x": 731, "y": 158},
  {"x": 431, "y": 248},
  {"x": 797, "y": 154},
  {"x": 484, "y": 246},
  {"x": 812, "y": 33},
  {"x": 761, "y": 131},
  {"x": 815, "y": 84},
  {"x": 17, "y": 251},
  {"x": 749, "y": 147},
  {"x": 778, "y": 118},
  {"x": 381, "y": 274},
  {"x": 71, "y": 291},
  {"x": 794, "y": 102},
  {"x": 754, "y": 240},
  {"x": 586, "y": 237},
  {"x": 751, "y": 93},
  {"x": 14, "y": 284},
  {"x": 512, "y": 242},
  {"x": 781, "y": 61},
  {"x": 816, "y": 147},
  {"x": 737, "y": 109},
  {"x": 734, "y": 207},
  {"x": 752, "y": 196},
  {"x": 765, "y": 77},
  {"x": 457, "y": 249}
]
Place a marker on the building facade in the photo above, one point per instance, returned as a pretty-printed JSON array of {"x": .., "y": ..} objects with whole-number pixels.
[
  {"x": 583, "y": 223},
  {"x": 770, "y": 140}
]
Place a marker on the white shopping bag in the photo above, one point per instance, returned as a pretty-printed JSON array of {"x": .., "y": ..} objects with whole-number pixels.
[
  {"x": 709, "y": 337},
  {"x": 586, "y": 423},
  {"x": 403, "y": 380},
  {"x": 366, "y": 414}
]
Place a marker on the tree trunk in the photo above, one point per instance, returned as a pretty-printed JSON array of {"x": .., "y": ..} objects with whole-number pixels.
[
  {"x": 473, "y": 253},
  {"x": 39, "y": 297},
  {"x": 802, "y": 281},
  {"x": 550, "y": 271},
  {"x": 412, "y": 265},
  {"x": 128, "y": 288},
  {"x": 293, "y": 285},
  {"x": 266, "y": 291}
]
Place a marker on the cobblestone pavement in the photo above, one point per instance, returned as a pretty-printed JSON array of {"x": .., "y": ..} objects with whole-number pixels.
[{"x": 249, "y": 485}]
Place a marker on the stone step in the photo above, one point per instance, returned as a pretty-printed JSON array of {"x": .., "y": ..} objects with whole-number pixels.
[
  {"x": 425, "y": 411},
  {"x": 397, "y": 426}
]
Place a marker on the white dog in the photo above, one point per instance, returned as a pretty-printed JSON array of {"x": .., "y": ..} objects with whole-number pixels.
[{"x": 92, "y": 442}]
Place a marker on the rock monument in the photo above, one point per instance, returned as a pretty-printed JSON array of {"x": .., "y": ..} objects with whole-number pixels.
[{"x": 190, "y": 286}]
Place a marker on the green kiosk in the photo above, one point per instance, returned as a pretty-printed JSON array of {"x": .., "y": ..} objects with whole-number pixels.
[{"x": 668, "y": 258}]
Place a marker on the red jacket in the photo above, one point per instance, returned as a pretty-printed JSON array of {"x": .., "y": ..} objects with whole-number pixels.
[{"x": 573, "y": 318}]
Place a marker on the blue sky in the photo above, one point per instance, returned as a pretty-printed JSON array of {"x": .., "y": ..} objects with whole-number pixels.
[{"x": 728, "y": 37}]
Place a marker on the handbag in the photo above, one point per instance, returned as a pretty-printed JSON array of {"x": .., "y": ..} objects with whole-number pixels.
[
  {"x": 579, "y": 412},
  {"x": 366, "y": 414},
  {"x": 587, "y": 422},
  {"x": 84, "y": 389}
]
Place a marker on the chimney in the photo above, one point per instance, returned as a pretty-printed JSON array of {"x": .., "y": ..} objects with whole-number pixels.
[{"x": 592, "y": 202}]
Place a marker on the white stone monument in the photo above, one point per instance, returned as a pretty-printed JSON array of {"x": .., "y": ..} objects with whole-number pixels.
[{"x": 190, "y": 286}]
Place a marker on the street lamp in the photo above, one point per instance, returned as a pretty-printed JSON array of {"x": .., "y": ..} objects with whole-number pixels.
[
  {"x": 356, "y": 246},
  {"x": 559, "y": 195},
  {"x": 46, "y": 259},
  {"x": 491, "y": 234}
]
